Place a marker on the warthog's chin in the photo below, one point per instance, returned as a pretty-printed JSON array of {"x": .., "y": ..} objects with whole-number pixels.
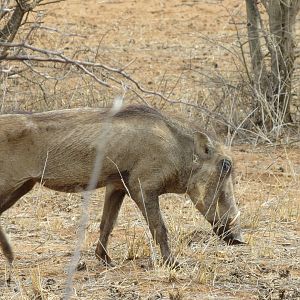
[{"x": 228, "y": 236}]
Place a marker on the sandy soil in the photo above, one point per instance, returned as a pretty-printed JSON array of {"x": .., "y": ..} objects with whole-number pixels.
[{"x": 164, "y": 41}]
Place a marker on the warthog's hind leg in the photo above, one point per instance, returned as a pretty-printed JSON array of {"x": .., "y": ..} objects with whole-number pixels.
[
  {"x": 11, "y": 198},
  {"x": 6, "y": 201},
  {"x": 112, "y": 203}
]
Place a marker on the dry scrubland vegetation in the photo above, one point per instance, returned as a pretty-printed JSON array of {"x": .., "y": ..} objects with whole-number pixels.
[{"x": 185, "y": 50}]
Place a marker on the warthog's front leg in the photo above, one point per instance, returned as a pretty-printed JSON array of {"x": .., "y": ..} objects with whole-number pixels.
[
  {"x": 148, "y": 203},
  {"x": 112, "y": 203}
]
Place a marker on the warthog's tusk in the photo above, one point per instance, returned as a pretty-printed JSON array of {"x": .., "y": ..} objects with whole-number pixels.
[{"x": 234, "y": 219}]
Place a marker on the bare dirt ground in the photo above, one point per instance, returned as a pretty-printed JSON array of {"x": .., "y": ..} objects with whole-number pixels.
[{"x": 168, "y": 45}]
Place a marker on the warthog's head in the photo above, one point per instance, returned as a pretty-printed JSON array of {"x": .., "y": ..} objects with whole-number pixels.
[{"x": 211, "y": 188}]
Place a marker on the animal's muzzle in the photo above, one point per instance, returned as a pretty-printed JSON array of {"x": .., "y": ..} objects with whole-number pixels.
[
  {"x": 231, "y": 237},
  {"x": 225, "y": 165}
]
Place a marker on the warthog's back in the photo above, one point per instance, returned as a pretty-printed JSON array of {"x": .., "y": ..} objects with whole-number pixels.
[{"x": 62, "y": 145}]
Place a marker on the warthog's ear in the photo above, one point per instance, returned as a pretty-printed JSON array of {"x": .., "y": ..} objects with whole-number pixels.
[{"x": 203, "y": 144}]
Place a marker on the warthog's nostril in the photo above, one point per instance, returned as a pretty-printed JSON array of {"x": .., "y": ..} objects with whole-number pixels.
[{"x": 225, "y": 165}]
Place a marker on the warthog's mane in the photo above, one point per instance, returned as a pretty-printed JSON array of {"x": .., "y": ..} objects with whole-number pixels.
[
  {"x": 136, "y": 110},
  {"x": 174, "y": 121}
]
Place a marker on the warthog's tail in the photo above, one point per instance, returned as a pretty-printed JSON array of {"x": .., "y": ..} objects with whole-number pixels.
[{"x": 5, "y": 246}]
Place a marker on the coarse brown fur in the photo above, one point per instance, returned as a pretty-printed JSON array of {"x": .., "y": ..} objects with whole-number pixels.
[{"x": 150, "y": 152}]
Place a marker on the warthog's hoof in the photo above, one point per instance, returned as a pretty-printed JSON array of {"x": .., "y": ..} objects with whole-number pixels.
[
  {"x": 106, "y": 261},
  {"x": 103, "y": 257},
  {"x": 172, "y": 263}
]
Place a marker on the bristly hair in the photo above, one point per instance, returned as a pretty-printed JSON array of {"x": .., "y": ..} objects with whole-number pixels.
[
  {"x": 139, "y": 110},
  {"x": 174, "y": 121}
]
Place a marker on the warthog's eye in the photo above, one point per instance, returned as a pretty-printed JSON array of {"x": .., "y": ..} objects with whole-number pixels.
[
  {"x": 207, "y": 150},
  {"x": 225, "y": 165}
]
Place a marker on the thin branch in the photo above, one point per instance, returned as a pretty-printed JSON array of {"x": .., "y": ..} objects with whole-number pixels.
[
  {"x": 50, "y": 2},
  {"x": 239, "y": 40}
]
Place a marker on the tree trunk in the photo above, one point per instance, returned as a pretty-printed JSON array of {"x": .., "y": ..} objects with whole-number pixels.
[
  {"x": 261, "y": 82},
  {"x": 257, "y": 61},
  {"x": 282, "y": 18},
  {"x": 272, "y": 84},
  {"x": 8, "y": 32},
  {"x": 10, "y": 29}
]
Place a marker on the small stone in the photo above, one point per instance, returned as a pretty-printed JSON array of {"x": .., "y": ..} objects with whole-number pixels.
[{"x": 81, "y": 266}]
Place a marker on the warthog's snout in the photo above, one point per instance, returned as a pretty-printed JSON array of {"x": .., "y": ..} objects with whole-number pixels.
[
  {"x": 230, "y": 232},
  {"x": 225, "y": 165},
  {"x": 231, "y": 237}
]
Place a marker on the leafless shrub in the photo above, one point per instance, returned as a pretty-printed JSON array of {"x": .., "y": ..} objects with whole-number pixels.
[{"x": 255, "y": 98}]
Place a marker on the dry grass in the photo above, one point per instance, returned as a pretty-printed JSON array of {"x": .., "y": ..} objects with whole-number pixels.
[{"x": 178, "y": 61}]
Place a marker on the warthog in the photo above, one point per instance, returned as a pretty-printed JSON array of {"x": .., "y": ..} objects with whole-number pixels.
[{"x": 146, "y": 154}]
